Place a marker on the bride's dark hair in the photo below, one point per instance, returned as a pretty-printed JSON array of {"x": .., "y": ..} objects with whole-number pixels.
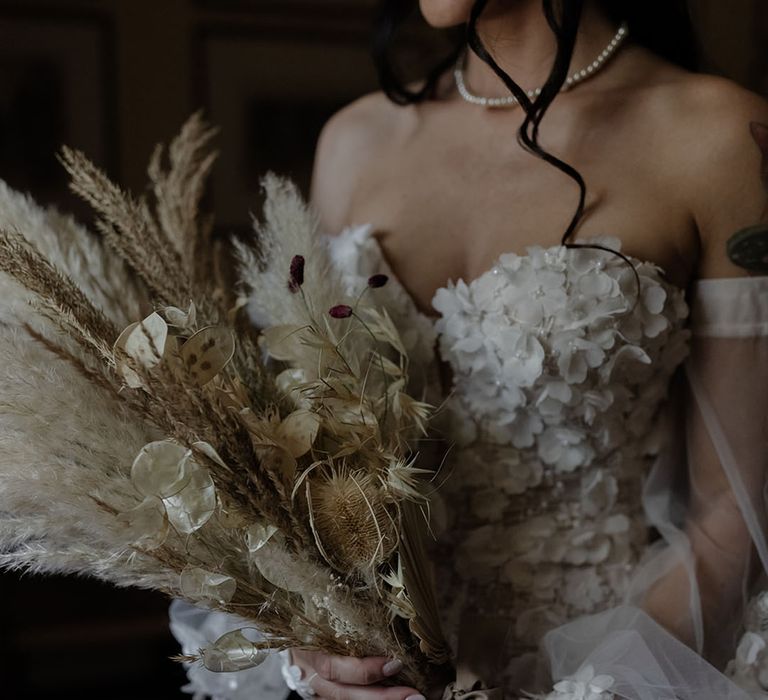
[{"x": 662, "y": 26}]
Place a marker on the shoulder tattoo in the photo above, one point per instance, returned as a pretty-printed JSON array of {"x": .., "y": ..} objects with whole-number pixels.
[{"x": 748, "y": 248}]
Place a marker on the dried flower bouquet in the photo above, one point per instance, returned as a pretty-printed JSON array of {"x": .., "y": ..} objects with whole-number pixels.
[{"x": 151, "y": 436}]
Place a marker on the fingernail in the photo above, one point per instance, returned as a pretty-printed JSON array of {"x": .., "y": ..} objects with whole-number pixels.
[
  {"x": 392, "y": 667},
  {"x": 415, "y": 697}
]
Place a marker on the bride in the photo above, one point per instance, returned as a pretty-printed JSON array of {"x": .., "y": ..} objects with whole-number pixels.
[{"x": 601, "y": 531}]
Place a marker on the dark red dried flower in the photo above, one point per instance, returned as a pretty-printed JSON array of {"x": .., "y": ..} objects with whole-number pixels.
[
  {"x": 341, "y": 311},
  {"x": 297, "y": 273},
  {"x": 377, "y": 281}
]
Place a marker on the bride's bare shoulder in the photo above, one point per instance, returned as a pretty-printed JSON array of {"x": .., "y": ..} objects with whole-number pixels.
[
  {"x": 709, "y": 101},
  {"x": 351, "y": 139},
  {"x": 710, "y": 145}
]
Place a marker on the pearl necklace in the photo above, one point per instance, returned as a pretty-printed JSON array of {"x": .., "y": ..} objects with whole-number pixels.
[{"x": 570, "y": 81}]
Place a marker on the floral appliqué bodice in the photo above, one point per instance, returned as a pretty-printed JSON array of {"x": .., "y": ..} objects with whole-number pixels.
[{"x": 559, "y": 371}]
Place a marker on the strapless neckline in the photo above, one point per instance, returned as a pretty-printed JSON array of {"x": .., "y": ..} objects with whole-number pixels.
[{"x": 434, "y": 316}]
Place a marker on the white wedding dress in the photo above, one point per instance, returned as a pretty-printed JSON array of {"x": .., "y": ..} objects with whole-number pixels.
[{"x": 607, "y": 474}]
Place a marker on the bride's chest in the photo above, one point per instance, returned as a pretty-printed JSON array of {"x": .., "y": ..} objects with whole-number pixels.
[{"x": 448, "y": 211}]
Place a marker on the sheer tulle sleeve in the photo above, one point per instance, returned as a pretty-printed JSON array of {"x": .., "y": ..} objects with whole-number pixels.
[
  {"x": 696, "y": 621},
  {"x": 727, "y": 450}
]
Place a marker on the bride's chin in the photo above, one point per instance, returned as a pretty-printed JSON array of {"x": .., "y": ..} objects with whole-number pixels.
[
  {"x": 450, "y": 13},
  {"x": 446, "y": 13}
]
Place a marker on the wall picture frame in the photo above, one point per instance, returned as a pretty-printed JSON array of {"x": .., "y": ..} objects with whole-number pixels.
[
  {"x": 270, "y": 93},
  {"x": 57, "y": 86}
]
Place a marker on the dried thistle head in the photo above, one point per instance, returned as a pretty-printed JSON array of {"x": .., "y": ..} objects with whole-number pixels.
[{"x": 352, "y": 519}]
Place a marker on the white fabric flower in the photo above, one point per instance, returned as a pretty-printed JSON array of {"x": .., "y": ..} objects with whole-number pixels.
[
  {"x": 533, "y": 623},
  {"x": 584, "y": 685},
  {"x": 488, "y": 503},
  {"x": 482, "y": 552},
  {"x": 576, "y": 355},
  {"x": 595, "y": 402},
  {"x": 564, "y": 448},
  {"x": 517, "y": 351},
  {"x": 557, "y": 540},
  {"x": 598, "y": 492},
  {"x": 453, "y": 301},
  {"x": 523, "y": 431},
  {"x": 584, "y": 590},
  {"x": 553, "y": 398},
  {"x": 533, "y": 289},
  {"x": 750, "y": 648}
]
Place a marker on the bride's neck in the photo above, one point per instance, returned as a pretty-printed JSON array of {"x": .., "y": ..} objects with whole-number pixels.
[{"x": 523, "y": 44}]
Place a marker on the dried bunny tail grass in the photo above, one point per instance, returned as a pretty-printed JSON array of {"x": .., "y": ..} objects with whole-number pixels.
[
  {"x": 77, "y": 253},
  {"x": 129, "y": 228},
  {"x": 288, "y": 228},
  {"x": 56, "y": 295},
  {"x": 178, "y": 191}
]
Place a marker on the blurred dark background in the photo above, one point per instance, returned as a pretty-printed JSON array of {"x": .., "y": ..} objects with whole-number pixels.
[{"x": 114, "y": 77}]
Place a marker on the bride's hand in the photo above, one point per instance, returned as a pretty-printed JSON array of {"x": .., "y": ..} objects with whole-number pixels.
[{"x": 349, "y": 678}]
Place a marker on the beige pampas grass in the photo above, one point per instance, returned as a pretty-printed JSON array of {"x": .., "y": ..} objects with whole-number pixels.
[
  {"x": 151, "y": 436},
  {"x": 72, "y": 250}
]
